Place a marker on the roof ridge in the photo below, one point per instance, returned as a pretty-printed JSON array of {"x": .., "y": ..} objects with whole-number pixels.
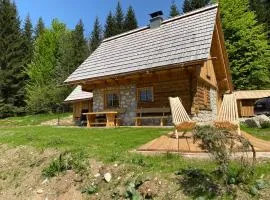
[{"x": 193, "y": 12}]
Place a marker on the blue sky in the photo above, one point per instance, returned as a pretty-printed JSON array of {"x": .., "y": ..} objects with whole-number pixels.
[{"x": 70, "y": 11}]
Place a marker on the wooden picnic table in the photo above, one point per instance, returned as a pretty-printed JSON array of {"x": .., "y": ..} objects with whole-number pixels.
[{"x": 110, "y": 118}]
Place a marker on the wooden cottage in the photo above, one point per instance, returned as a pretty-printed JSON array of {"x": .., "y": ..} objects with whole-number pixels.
[
  {"x": 246, "y": 100},
  {"x": 134, "y": 73},
  {"x": 81, "y": 102}
]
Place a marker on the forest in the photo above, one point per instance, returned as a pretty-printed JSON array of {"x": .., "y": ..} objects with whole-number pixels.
[{"x": 35, "y": 60}]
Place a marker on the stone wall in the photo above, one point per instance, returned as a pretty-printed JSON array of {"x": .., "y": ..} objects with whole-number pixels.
[
  {"x": 127, "y": 102},
  {"x": 211, "y": 114}
]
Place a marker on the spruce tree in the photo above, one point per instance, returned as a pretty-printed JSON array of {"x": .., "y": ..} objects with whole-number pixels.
[
  {"x": 174, "y": 10},
  {"x": 40, "y": 27},
  {"x": 119, "y": 19},
  {"x": 130, "y": 22},
  {"x": 11, "y": 61},
  {"x": 96, "y": 36},
  {"x": 110, "y": 26},
  {"x": 28, "y": 40},
  {"x": 246, "y": 44},
  {"x": 187, "y": 6},
  {"x": 190, "y": 5},
  {"x": 81, "y": 51},
  {"x": 262, "y": 10}
]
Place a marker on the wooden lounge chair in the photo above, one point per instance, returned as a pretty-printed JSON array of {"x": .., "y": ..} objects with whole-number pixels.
[
  {"x": 180, "y": 118},
  {"x": 228, "y": 114}
]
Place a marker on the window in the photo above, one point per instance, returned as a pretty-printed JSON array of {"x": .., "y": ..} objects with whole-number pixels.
[
  {"x": 112, "y": 100},
  {"x": 145, "y": 94}
]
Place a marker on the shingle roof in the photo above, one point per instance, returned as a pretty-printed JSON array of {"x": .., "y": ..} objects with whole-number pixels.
[
  {"x": 178, "y": 40},
  {"x": 252, "y": 94},
  {"x": 77, "y": 94}
]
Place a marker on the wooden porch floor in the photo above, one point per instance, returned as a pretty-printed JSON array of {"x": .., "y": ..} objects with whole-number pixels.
[{"x": 166, "y": 143}]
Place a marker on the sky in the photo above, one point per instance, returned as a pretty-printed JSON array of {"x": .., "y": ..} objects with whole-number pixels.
[{"x": 70, "y": 11}]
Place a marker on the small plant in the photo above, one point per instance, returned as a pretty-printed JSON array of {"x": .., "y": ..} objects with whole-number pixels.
[
  {"x": 199, "y": 183},
  {"x": 66, "y": 161},
  {"x": 91, "y": 189},
  {"x": 265, "y": 124}
]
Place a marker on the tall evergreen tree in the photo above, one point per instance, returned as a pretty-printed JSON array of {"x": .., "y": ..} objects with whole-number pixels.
[
  {"x": 81, "y": 51},
  {"x": 40, "y": 27},
  {"x": 110, "y": 26},
  {"x": 119, "y": 19},
  {"x": 28, "y": 39},
  {"x": 190, "y": 5},
  {"x": 246, "y": 44},
  {"x": 11, "y": 61},
  {"x": 96, "y": 36},
  {"x": 262, "y": 9},
  {"x": 187, "y": 6},
  {"x": 174, "y": 10},
  {"x": 130, "y": 22}
]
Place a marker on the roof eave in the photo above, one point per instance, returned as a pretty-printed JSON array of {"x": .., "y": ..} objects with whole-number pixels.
[{"x": 82, "y": 81}]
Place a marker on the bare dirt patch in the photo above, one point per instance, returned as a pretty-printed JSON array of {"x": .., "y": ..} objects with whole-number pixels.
[{"x": 66, "y": 121}]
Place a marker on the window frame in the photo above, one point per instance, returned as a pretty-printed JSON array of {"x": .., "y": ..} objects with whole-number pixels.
[
  {"x": 112, "y": 92},
  {"x": 139, "y": 94}
]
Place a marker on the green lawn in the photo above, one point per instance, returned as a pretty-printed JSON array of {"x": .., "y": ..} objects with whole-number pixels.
[
  {"x": 263, "y": 133},
  {"x": 105, "y": 144},
  {"x": 30, "y": 119}
]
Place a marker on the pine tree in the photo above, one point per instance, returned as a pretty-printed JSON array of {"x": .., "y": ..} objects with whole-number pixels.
[
  {"x": 96, "y": 36},
  {"x": 130, "y": 22},
  {"x": 190, "y": 5},
  {"x": 262, "y": 9},
  {"x": 174, "y": 10},
  {"x": 119, "y": 19},
  {"x": 11, "y": 61},
  {"x": 39, "y": 28},
  {"x": 28, "y": 40},
  {"x": 186, "y": 6},
  {"x": 81, "y": 51},
  {"x": 246, "y": 44},
  {"x": 110, "y": 26}
]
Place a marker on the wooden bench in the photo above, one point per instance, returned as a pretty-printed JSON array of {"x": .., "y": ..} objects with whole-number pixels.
[{"x": 152, "y": 113}]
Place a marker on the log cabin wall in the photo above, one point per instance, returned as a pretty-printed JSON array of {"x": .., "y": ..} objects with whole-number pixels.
[
  {"x": 246, "y": 107},
  {"x": 78, "y": 106},
  {"x": 170, "y": 84}
]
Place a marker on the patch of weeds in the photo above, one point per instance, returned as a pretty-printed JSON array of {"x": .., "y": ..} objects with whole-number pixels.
[
  {"x": 90, "y": 189},
  {"x": 55, "y": 141},
  {"x": 199, "y": 183},
  {"x": 66, "y": 161},
  {"x": 132, "y": 193},
  {"x": 169, "y": 155},
  {"x": 139, "y": 161},
  {"x": 258, "y": 185},
  {"x": 265, "y": 124},
  {"x": 114, "y": 157}
]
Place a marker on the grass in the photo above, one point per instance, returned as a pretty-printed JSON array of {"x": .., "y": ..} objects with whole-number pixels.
[
  {"x": 30, "y": 119},
  {"x": 262, "y": 133},
  {"x": 107, "y": 145},
  {"x": 110, "y": 145}
]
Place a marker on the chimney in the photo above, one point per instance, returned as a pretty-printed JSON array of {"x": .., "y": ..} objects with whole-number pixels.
[{"x": 156, "y": 19}]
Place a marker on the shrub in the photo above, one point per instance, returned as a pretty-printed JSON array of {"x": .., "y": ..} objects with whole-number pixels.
[
  {"x": 265, "y": 124},
  {"x": 221, "y": 144},
  {"x": 66, "y": 161}
]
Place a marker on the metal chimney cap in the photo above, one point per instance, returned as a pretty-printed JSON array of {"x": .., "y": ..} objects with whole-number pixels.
[{"x": 156, "y": 14}]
